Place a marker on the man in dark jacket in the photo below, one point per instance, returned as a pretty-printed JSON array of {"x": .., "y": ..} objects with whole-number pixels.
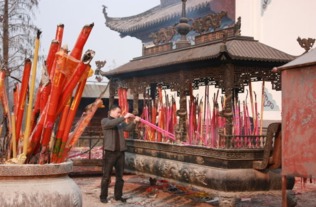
[{"x": 113, "y": 129}]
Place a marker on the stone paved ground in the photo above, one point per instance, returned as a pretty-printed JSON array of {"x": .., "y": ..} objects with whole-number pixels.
[
  {"x": 138, "y": 191},
  {"x": 140, "y": 194}
]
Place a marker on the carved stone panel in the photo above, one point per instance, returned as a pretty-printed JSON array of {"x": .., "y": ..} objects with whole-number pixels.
[{"x": 208, "y": 177}]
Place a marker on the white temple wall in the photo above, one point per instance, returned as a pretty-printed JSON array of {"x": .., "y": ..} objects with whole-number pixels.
[{"x": 278, "y": 25}]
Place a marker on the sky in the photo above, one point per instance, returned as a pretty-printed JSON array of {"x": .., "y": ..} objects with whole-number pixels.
[{"x": 74, "y": 14}]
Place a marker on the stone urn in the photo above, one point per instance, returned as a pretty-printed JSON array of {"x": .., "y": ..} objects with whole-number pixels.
[{"x": 38, "y": 185}]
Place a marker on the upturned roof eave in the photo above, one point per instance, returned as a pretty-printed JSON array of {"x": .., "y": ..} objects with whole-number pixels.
[{"x": 112, "y": 21}]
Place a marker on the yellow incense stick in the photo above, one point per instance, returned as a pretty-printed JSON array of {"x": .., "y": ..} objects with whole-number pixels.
[
  {"x": 31, "y": 93},
  {"x": 254, "y": 118},
  {"x": 1, "y": 126},
  {"x": 13, "y": 135},
  {"x": 262, "y": 107}
]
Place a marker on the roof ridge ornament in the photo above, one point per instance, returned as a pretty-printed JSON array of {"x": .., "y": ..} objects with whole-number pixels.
[
  {"x": 183, "y": 28},
  {"x": 223, "y": 34},
  {"x": 213, "y": 21},
  {"x": 164, "y": 35},
  {"x": 306, "y": 43}
]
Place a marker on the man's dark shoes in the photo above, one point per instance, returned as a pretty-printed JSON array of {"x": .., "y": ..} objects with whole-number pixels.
[
  {"x": 103, "y": 200},
  {"x": 121, "y": 199}
]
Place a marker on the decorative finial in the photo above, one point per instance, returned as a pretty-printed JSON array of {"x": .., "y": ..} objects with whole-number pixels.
[
  {"x": 104, "y": 11},
  {"x": 184, "y": 13},
  {"x": 183, "y": 28},
  {"x": 307, "y": 44},
  {"x": 237, "y": 27},
  {"x": 98, "y": 73}
]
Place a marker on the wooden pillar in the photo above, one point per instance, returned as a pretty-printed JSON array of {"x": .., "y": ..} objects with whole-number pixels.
[
  {"x": 136, "y": 133},
  {"x": 134, "y": 88},
  {"x": 181, "y": 130},
  {"x": 228, "y": 108},
  {"x": 135, "y": 103},
  {"x": 112, "y": 93}
]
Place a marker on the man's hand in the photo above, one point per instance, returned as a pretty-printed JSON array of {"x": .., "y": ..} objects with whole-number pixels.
[
  {"x": 137, "y": 119},
  {"x": 129, "y": 115}
]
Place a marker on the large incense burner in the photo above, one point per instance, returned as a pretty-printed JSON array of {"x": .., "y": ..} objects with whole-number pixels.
[
  {"x": 223, "y": 169},
  {"x": 38, "y": 185}
]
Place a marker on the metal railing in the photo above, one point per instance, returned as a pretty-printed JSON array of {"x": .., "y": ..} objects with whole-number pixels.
[
  {"x": 93, "y": 136},
  {"x": 242, "y": 141}
]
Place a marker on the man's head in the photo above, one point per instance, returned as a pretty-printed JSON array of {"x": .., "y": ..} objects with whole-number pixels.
[{"x": 115, "y": 111}]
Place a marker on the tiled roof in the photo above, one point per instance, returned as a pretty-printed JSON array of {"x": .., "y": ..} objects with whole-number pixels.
[
  {"x": 153, "y": 16},
  {"x": 94, "y": 91},
  {"x": 302, "y": 61},
  {"x": 254, "y": 50},
  {"x": 239, "y": 48}
]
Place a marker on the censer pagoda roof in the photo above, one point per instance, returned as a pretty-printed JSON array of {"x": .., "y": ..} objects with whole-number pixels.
[{"x": 238, "y": 48}]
